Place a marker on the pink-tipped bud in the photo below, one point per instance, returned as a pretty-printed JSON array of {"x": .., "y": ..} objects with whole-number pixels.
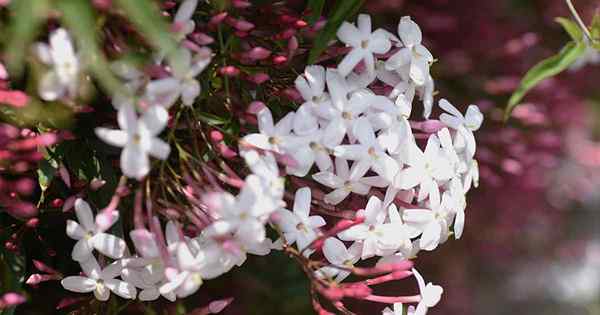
[
  {"x": 69, "y": 203},
  {"x": 357, "y": 291},
  {"x": 216, "y": 136},
  {"x": 240, "y": 25},
  {"x": 293, "y": 44},
  {"x": 14, "y": 98},
  {"x": 226, "y": 151},
  {"x": 32, "y": 223},
  {"x": 37, "y": 278},
  {"x": 258, "y": 53},
  {"x": 229, "y": 71},
  {"x": 255, "y": 107},
  {"x": 218, "y": 19},
  {"x": 278, "y": 60},
  {"x": 301, "y": 24},
  {"x": 241, "y": 4},
  {"x": 96, "y": 184},
  {"x": 43, "y": 267},
  {"x": 432, "y": 126},
  {"x": 12, "y": 299},
  {"x": 3, "y": 72},
  {"x": 216, "y": 307},
  {"x": 64, "y": 175},
  {"x": 202, "y": 39},
  {"x": 258, "y": 78}
]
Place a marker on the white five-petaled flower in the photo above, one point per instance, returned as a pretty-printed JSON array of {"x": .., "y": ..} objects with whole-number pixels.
[
  {"x": 164, "y": 92},
  {"x": 341, "y": 182},
  {"x": 431, "y": 223},
  {"x": 311, "y": 85},
  {"x": 413, "y": 59},
  {"x": 101, "y": 282},
  {"x": 90, "y": 235},
  {"x": 192, "y": 269},
  {"x": 62, "y": 79},
  {"x": 377, "y": 237},
  {"x": 364, "y": 43},
  {"x": 425, "y": 169},
  {"x": 338, "y": 255},
  {"x": 298, "y": 226},
  {"x": 369, "y": 154},
  {"x": 430, "y": 294},
  {"x": 463, "y": 124},
  {"x": 271, "y": 137},
  {"x": 138, "y": 138},
  {"x": 308, "y": 150}
]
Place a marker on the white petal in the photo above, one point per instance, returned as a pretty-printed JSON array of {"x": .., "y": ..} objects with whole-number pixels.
[
  {"x": 336, "y": 196},
  {"x": 431, "y": 236},
  {"x": 364, "y": 24},
  {"x": 334, "y": 133},
  {"x": 74, "y": 230},
  {"x": 265, "y": 121},
  {"x": 117, "y": 138},
  {"x": 335, "y": 251},
  {"x": 134, "y": 162},
  {"x": 349, "y": 34},
  {"x": 409, "y": 32},
  {"x": 145, "y": 242},
  {"x": 155, "y": 119},
  {"x": 399, "y": 59},
  {"x": 121, "y": 288},
  {"x": 127, "y": 119},
  {"x": 302, "y": 201},
  {"x": 190, "y": 91},
  {"x": 159, "y": 149},
  {"x": 78, "y": 284},
  {"x": 82, "y": 250},
  {"x": 328, "y": 179},
  {"x": 50, "y": 87},
  {"x": 350, "y": 61},
  {"x": 109, "y": 245},
  {"x": 186, "y": 10},
  {"x": 459, "y": 224},
  {"x": 149, "y": 294}
]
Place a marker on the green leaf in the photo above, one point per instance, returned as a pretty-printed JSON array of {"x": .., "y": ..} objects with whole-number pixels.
[
  {"x": 315, "y": 7},
  {"x": 543, "y": 70},
  {"x": 79, "y": 18},
  {"x": 46, "y": 172},
  {"x": 343, "y": 10},
  {"x": 145, "y": 15},
  {"x": 595, "y": 31},
  {"x": 571, "y": 28},
  {"x": 26, "y": 19}
]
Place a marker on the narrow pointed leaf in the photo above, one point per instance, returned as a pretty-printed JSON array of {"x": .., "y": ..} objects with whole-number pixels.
[{"x": 543, "y": 70}]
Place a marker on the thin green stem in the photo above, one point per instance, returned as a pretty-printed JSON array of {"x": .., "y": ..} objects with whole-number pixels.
[{"x": 579, "y": 20}]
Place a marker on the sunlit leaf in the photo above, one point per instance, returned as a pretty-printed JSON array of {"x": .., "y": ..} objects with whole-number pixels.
[
  {"x": 342, "y": 11},
  {"x": 27, "y": 17},
  {"x": 543, "y": 70},
  {"x": 571, "y": 28}
]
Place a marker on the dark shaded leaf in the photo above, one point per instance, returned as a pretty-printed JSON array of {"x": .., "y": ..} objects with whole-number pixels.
[
  {"x": 315, "y": 7},
  {"x": 342, "y": 11}
]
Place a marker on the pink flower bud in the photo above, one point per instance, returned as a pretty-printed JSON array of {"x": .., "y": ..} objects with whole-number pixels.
[
  {"x": 3, "y": 72},
  {"x": 216, "y": 136},
  {"x": 229, "y": 71},
  {"x": 216, "y": 307},
  {"x": 64, "y": 175},
  {"x": 240, "y": 25},
  {"x": 301, "y": 24},
  {"x": 292, "y": 44},
  {"x": 432, "y": 126},
  {"x": 202, "y": 39},
  {"x": 226, "y": 151},
  {"x": 32, "y": 223},
  {"x": 278, "y": 60},
  {"x": 218, "y": 19},
  {"x": 255, "y": 107},
  {"x": 69, "y": 203},
  {"x": 43, "y": 267},
  {"x": 258, "y": 78},
  {"x": 14, "y": 98},
  {"x": 258, "y": 53},
  {"x": 96, "y": 184},
  {"x": 12, "y": 299},
  {"x": 241, "y": 4}
]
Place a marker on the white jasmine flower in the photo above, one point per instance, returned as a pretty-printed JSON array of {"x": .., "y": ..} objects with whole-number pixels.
[
  {"x": 91, "y": 236},
  {"x": 471, "y": 176},
  {"x": 341, "y": 182},
  {"x": 369, "y": 154},
  {"x": 377, "y": 237},
  {"x": 364, "y": 43},
  {"x": 101, "y": 282},
  {"x": 433, "y": 223},
  {"x": 183, "y": 18},
  {"x": 347, "y": 107},
  {"x": 430, "y": 294},
  {"x": 62, "y": 79},
  {"x": 337, "y": 254},
  {"x": 272, "y": 137},
  {"x": 164, "y": 92},
  {"x": 464, "y": 125},
  {"x": 138, "y": 138},
  {"x": 414, "y": 56},
  {"x": 297, "y": 226},
  {"x": 425, "y": 168},
  {"x": 311, "y": 86},
  {"x": 308, "y": 150},
  {"x": 192, "y": 270},
  {"x": 393, "y": 119}
]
